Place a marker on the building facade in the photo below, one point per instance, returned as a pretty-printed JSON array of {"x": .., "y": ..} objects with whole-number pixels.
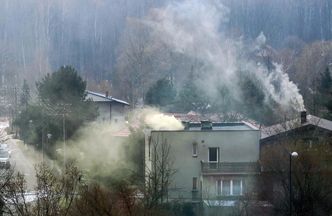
[{"x": 212, "y": 162}]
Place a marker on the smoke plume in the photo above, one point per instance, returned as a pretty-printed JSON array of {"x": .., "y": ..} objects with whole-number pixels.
[
  {"x": 100, "y": 153},
  {"x": 155, "y": 120},
  {"x": 195, "y": 28}
]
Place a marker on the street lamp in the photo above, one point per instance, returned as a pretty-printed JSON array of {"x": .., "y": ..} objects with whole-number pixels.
[
  {"x": 48, "y": 136},
  {"x": 291, "y": 155}
]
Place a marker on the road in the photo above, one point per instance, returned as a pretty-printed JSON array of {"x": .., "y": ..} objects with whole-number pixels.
[{"x": 23, "y": 158}]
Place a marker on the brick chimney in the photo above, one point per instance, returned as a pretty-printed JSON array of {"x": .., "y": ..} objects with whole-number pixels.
[{"x": 303, "y": 117}]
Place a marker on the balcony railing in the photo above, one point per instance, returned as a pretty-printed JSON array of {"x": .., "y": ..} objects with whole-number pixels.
[{"x": 230, "y": 167}]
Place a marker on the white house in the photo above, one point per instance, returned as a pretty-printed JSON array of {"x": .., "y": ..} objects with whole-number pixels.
[{"x": 212, "y": 161}]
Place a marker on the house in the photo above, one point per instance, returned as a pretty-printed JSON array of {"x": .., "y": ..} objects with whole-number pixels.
[
  {"x": 309, "y": 136},
  {"x": 110, "y": 108},
  {"x": 214, "y": 163},
  {"x": 306, "y": 129}
]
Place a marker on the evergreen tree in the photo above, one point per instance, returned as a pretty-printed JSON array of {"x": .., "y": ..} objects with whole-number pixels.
[
  {"x": 62, "y": 96},
  {"x": 253, "y": 100},
  {"x": 325, "y": 93},
  {"x": 326, "y": 81},
  {"x": 191, "y": 98},
  {"x": 25, "y": 95},
  {"x": 162, "y": 93}
]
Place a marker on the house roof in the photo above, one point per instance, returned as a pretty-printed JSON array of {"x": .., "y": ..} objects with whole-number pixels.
[
  {"x": 295, "y": 124},
  {"x": 123, "y": 132},
  {"x": 98, "y": 97}
]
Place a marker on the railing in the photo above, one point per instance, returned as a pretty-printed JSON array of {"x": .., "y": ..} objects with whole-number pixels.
[{"x": 230, "y": 167}]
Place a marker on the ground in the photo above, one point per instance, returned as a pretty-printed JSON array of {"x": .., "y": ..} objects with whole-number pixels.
[{"x": 23, "y": 158}]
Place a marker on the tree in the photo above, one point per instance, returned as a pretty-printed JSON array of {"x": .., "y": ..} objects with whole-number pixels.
[
  {"x": 62, "y": 86},
  {"x": 325, "y": 92},
  {"x": 326, "y": 81},
  {"x": 61, "y": 97},
  {"x": 191, "y": 97},
  {"x": 162, "y": 93},
  {"x": 254, "y": 103},
  {"x": 159, "y": 174},
  {"x": 25, "y": 95},
  {"x": 53, "y": 195}
]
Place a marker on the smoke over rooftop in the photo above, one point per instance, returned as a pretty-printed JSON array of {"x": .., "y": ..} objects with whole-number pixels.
[{"x": 195, "y": 28}]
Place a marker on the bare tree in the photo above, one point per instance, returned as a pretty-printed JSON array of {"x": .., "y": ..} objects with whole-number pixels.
[
  {"x": 159, "y": 174},
  {"x": 311, "y": 176},
  {"x": 54, "y": 192}
]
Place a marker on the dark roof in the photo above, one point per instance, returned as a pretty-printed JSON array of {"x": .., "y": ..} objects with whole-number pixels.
[
  {"x": 287, "y": 126},
  {"x": 98, "y": 97}
]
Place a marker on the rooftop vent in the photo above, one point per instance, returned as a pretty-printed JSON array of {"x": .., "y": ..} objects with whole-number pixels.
[
  {"x": 186, "y": 125},
  {"x": 206, "y": 125},
  {"x": 303, "y": 117}
]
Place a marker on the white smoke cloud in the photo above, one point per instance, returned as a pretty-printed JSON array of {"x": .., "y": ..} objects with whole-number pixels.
[
  {"x": 195, "y": 28},
  {"x": 153, "y": 119},
  {"x": 159, "y": 121}
]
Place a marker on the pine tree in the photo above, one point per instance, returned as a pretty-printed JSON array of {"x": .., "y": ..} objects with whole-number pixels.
[
  {"x": 192, "y": 98},
  {"x": 325, "y": 92},
  {"x": 25, "y": 95},
  {"x": 162, "y": 93}
]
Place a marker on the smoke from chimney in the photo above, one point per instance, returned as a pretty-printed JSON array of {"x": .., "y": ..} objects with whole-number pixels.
[{"x": 190, "y": 26}]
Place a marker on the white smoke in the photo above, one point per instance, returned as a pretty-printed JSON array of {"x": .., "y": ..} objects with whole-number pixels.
[
  {"x": 153, "y": 119},
  {"x": 195, "y": 28},
  {"x": 159, "y": 121},
  {"x": 261, "y": 39}
]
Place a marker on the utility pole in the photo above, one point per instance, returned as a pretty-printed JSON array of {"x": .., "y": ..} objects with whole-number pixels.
[
  {"x": 60, "y": 110},
  {"x": 64, "y": 138}
]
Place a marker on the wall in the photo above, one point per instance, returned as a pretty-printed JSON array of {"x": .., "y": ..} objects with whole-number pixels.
[
  {"x": 235, "y": 146},
  {"x": 114, "y": 112}
]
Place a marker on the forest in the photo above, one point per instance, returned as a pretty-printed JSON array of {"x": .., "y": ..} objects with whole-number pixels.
[{"x": 123, "y": 47}]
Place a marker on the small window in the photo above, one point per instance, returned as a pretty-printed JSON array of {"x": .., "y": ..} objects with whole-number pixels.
[
  {"x": 194, "y": 149},
  {"x": 194, "y": 183}
]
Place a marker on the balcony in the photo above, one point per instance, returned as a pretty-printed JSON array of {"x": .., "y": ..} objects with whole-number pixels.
[{"x": 230, "y": 168}]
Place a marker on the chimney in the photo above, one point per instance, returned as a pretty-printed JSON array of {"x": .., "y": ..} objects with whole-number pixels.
[
  {"x": 303, "y": 117},
  {"x": 106, "y": 94},
  {"x": 186, "y": 125}
]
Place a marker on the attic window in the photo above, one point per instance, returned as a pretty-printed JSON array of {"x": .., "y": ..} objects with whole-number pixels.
[{"x": 195, "y": 149}]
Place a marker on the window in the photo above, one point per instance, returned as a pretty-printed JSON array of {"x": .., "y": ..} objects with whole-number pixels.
[
  {"x": 226, "y": 188},
  {"x": 194, "y": 183},
  {"x": 213, "y": 158},
  {"x": 229, "y": 187},
  {"x": 213, "y": 155},
  {"x": 194, "y": 149},
  {"x": 237, "y": 187}
]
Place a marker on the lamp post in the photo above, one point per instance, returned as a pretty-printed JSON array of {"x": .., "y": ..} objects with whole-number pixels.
[
  {"x": 64, "y": 139},
  {"x": 30, "y": 130},
  {"x": 47, "y": 139},
  {"x": 291, "y": 155}
]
